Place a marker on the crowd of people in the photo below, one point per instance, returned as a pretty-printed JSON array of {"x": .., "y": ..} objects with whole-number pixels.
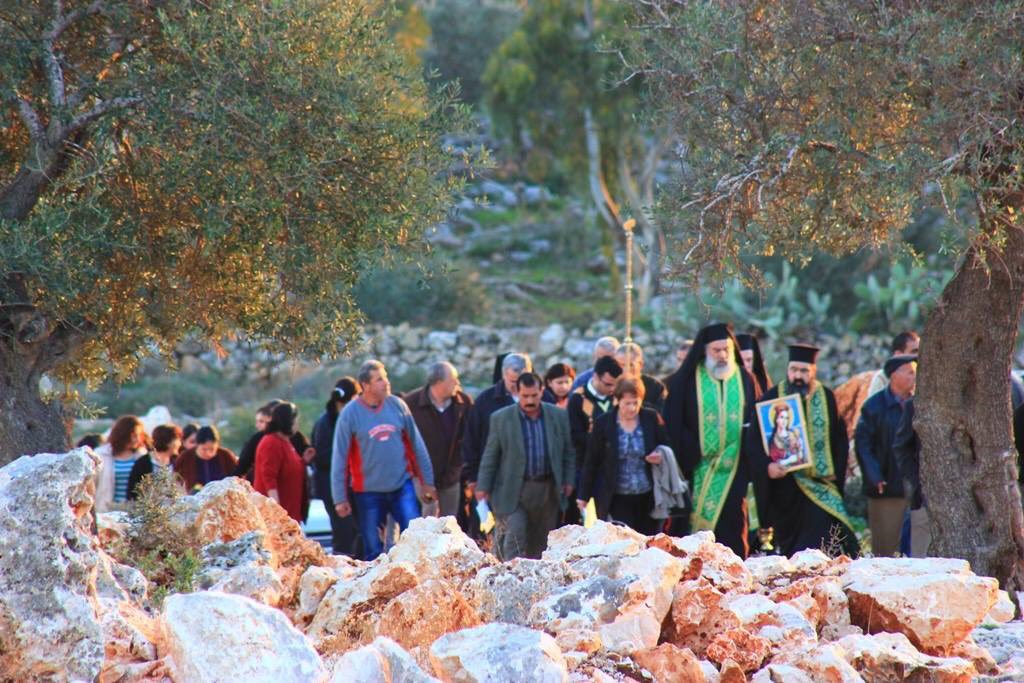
[{"x": 716, "y": 445}]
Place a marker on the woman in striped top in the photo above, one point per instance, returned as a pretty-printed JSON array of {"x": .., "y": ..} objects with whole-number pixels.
[{"x": 127, "y": 442}]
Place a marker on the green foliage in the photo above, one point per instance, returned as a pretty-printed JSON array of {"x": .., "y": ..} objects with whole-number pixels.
[
  {"x": 430, "y": 293},
  {"x": 464, "y": 33},
  {"x": 551, "y": 68},
  {"x": 824, "y": 126},
  {"x": 899, "y": 304},
  {"x": 154, "y": 543},
  {"x": 270, "y": 154}
]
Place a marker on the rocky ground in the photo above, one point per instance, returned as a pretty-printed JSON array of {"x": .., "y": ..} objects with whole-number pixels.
[{"x": 604, "y": 604}]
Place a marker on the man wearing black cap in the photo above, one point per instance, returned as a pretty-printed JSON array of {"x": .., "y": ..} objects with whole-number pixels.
[
  {"x": 753, "y": 361},
  {"x": 710, "y": 400},
  {"x": 805, "y": 507},
  {"x": 874, "y": 439}
]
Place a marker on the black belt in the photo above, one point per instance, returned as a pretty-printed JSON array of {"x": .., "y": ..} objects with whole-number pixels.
[{"x": 546, "y": 477}]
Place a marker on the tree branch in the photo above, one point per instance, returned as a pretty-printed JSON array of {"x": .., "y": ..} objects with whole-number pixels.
[
  {"x": 31, "y": 119},
  {"x": 102, "y": 108},
  {"x": 61, "y": 22}
]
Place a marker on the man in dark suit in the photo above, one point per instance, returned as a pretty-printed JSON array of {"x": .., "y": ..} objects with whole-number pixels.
[{"x": 527, "y": 470}]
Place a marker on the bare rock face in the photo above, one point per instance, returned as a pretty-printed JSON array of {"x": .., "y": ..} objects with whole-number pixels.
[
  {"x": 698, "y": 615},
  {"x": 498, "y": 652},
  {"x": 738, "y": 645},
  {"x": 212, "y": 636},
  {"x": 382, "y": 661},
  {"x": 315, "y": 583},
  {"x": 820, "y": 599},
  {"x": 348, "y": 614},
  {"x": 826, "y": 662},
  {"x": 507, "y": 591},
  {"x": 718, "y": 564},
  {"x": 934, "y": 610},
  {"x": 1003, "y": 642},
  {"x": 892, "y": 657},
  {"x": 783, "y": 626},
  {"x": 570, "y": 543},
  {"x": 49, "y": 628},
  {"x": 438, "y": 549},
  {"x": 670, "y": 663},
  {"x": 243, "y": 567},
  {"x": 422, "y": 614},
  {"x": 130, "y": 639},
  {"x": 226, "y": 510}
]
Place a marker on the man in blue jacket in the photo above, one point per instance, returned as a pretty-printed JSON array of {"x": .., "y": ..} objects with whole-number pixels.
[{"x": 874, "y": 438}]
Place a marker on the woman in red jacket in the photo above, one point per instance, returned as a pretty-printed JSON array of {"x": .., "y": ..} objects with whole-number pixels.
[{"x": 280, "y": 470}]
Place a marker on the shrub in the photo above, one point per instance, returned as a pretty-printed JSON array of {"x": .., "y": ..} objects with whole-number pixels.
[{"x": 429, "y": 294}]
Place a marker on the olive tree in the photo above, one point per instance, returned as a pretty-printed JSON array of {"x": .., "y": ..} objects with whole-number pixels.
[
  {"x": 174, "y": 168},
  {"x": 823, "y": 125}
]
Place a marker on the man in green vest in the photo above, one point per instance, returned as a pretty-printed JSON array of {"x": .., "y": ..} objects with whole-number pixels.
[
  {"x": 709, "y": 405},
  {"x": 805, "y": 506}
]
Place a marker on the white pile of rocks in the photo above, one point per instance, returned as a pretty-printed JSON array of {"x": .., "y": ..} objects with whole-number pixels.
[{"x": 603, "y": 604}]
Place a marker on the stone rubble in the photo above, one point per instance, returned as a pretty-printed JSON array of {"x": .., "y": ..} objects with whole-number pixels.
[{"x": 603, "y": 604}]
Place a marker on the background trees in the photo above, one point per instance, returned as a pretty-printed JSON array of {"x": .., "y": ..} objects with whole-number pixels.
[
  {"x": 822, "y": 126},
  {"x": 168, "y": 168}
]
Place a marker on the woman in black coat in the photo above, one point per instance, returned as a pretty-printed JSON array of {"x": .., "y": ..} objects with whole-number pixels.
[{"x": 620, "y": 451}]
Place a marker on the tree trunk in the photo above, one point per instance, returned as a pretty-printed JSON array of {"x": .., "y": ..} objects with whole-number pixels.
[
  {"x": 21, "y": 194},
  {"x": 963, "y": 414},
  {"x": 28, "y": 424}
]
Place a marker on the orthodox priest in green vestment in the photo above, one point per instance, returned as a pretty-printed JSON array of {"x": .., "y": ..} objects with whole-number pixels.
[
  {"x": 709, "y": 406},
  {"x": 805, "y": 507}
]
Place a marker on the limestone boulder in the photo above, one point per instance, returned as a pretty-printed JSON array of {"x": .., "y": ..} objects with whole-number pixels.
[
  {"x": 382, "y": 661},
  {"x": 116, "y": 581},
  {"x": 1002, "y": 612},
  {"x": 1003, "y": 642},
  {"x": 670, "y": 663},
  {"x": 739, "y": 645},
  {"x": 782, "y": 625},
  {"x": 820, "y": 599},
  {"x": 438, "y": 549},
  {"x": 226, "y": 510},
  {"x": 498, "y": 652},
  {"x": 507, "y": 591},
  {"x": 49, "y": 626},
  {"x": 211, "y": 636},
  {"x": 130, "y": 638},
  {"x": 698, "y": 615},
  {"x": 718, "y": 564},
  {"x": 626, "y": 604},
  {"x": 934, "y": 610},
  {"x": 825, "y": 662},
  {"x": 348, "y": 614},
  {"x": 421, "y": 615},
  {"x": 112, "y": 528},
  {"x": 243, "y": 567},
  {"x": 892, "y": 657},
  {"x": 315, "y": 583},
  {"x": 763, "y": 569},
  {"x": 574, "y": 542}
]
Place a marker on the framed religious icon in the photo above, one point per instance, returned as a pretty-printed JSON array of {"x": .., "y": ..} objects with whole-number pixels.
[{"x": 784, "y": 432}]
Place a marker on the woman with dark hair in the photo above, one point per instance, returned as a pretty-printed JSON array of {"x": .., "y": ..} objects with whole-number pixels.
[
  {"x": 623, "y": 445},
  {"x": 205, "y": 462},
  {"x": 188, "y": 436},
  {"x": 166, "y": 444},
  {"x": 344, "y": 531},
  {"x": 280, "y": 471},
  {"x": 558, "y": 384},
  {"x": 247, "y": 456},
  {"x": 126, "y": 443}
]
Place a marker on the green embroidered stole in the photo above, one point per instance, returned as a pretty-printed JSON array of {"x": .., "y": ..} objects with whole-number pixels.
[
  {"x": 818, "y": 482},
  {"x": 720, "y": 411}
]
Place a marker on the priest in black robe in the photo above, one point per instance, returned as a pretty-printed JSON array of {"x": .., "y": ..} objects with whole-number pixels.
[
  {"x": 709, "y": 406},
  {"x": 753, "y": 360},
  {"x": 805, "y": 506}
]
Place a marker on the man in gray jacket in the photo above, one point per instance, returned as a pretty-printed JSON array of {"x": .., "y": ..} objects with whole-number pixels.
[{"x": 527, "y": 470}]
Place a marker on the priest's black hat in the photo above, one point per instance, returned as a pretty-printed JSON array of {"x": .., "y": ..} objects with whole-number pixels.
[
  {"x": 803, "y": 353},
  {"x": 717, "y": 332},
  {"x": 896, "y": 362},
  {"x": 746, "y": 341}
]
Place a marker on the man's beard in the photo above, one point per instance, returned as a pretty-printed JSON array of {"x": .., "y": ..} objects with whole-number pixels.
[
  {"x": 800, "y": 386},
  {"x": 720, "y": 370}
]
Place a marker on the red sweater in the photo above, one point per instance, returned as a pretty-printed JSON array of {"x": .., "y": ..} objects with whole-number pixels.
[{"x": 278, "y": 466}]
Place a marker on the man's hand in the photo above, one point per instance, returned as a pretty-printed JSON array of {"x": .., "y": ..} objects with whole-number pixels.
[
  {"x": 429, "y": 494},
  {"x": 581, "y": 504},
  {"x": 308, "y": 455},
  {"x": 881, "y": 487},
  {"x": 343, "y": 509},
  {"x": 776, "y": 471},
  {"x": 654, "y": 457},
  {"x": 471, "y": 485},
  {"x": 480, "y": 495},
  {"x": 567, "y": 490}
]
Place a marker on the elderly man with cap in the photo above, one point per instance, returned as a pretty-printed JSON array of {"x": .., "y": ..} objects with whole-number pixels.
[
  {"x": 710, "y": 402},
  {"x": 874, "y": 439},
  {"x": 500, "y": 395},
  {"x": 805, "y": 506}
]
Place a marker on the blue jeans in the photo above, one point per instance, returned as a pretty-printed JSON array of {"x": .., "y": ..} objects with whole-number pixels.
[{"x": 372, "y": 509}]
